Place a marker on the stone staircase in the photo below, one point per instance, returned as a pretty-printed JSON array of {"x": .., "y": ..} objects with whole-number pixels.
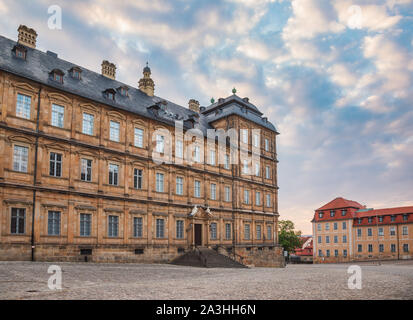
[{"x": 206, "y": 258}]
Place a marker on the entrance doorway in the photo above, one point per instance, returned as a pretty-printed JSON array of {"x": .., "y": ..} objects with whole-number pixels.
[{"x": 198, "y": 234}]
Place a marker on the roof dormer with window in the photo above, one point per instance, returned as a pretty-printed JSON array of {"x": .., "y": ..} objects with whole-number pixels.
[
  {"x": 109, "y": 94},
  {"x": 20, "y": 51},
  {"x": 57, "y": 75},
  {"x": 76, "y": 73}
]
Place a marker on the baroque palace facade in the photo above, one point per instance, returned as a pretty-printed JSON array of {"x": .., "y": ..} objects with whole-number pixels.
[
  {"x": 78, "y": 182},
  {"x": 345, "y": 230}
]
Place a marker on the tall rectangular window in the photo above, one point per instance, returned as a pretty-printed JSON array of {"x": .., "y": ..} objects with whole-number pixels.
[
  {"x": 137, "y": 227},
  {"x": 113, "y": 174},
  {"x": 393, "y": 247},
  {"x": 335, "y": 226},
  {"x": 269, "y": 232},
  {"x": 258, "y": 232},
  {"x": 113, "y": 226},
  {"x": 405, "y": 231},
  {"x": 358, "y": 232},
  {"x": 160, "y": 143},
  {"x": 213, "y": 191},
  {"x": 160, "y": 228},
  {"x": 257, "y": 198},
  {"x": 137, "y": 178},
  {"x": 267, "y": 172},
  {"x": 179, "y": 149},
  {"x": 58, "y": 115},
  {"x": 23, "y": 106},
  {"x": 344, "y": 239},
  {"x": 370, "y": 248},
  {"x": 319, "y": 227},
  {"x": 86, "y": 170},
  {"x": 18, "y": 221},
  {"x": 85, "y": 224},
  {"x": 55, "y": 169},
  {"x": 327, "y": 239},
  {"x": 159, "y": 182},
  {"x": 138, "y": 138},
  {"x": 392, "y": 231},
  {"x": 344, "y": 253},
  {"x": 114, "y": 131},
  {"x": 267, "y": 145},
  {"x": 320, "y": 239},
  {"x": 20, "y": 158},
  {"x": 213, "y": 231},
  {"x": 369, "y": 232},
  {"x": 327, "y": 226},
  {"x": 381, "y": 247},
  {"x": 244, "y": 135},
  {"x": 327, "y": 253},
  {"x": 256, "y": 140},
  {"x": 180, "y": 229},
  {"x": 212, "y": 155},
  {"x": 228, "y": 235},
  {"x": 53, "y": 224},
  {"x": 336, "y": 253},
  {"x": 197, "y": 189},
  {"x": 257, "y": 169},
  {"x": 246, "y": 196},
  {"x": 227, "y": 194},
  {"x": 268, "y": 200},
  {"x": 179, "y": 186},
  {"x": 405, "y": 247},
  {"x": 247, "y": 231},
  {"x": 344, "y": 225},
  {"x": 359, "y": 248},
  {"x": 197, "y": 154},
  {"x": 226, "y": 163},
  {"x": 381, "y": 232},
  {"x": 88, "y": 124}
]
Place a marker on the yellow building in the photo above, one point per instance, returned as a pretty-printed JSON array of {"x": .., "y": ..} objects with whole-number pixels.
[
  {"x": 78, "y": 177},
  {"x": 345, "y": 230}
]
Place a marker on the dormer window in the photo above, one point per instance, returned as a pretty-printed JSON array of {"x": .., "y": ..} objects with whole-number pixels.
[
  {"x": 20, "y": 52},
  {"x": 57, "y": 75},
  {"x": 75, "y": 73},
  {"x": 110, "y": 94},
  {"x": 123, "y": 91},
  {"x": 321, "y": 214}
]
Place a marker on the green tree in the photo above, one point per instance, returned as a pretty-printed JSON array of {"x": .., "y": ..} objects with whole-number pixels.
[{"x": 288, "y": 238}]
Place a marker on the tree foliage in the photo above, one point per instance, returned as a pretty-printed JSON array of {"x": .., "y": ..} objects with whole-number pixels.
[{"x": 288, "y": 238}]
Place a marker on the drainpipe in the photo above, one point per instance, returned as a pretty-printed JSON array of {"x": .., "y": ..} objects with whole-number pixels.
[{"x": 35, "y": 172}]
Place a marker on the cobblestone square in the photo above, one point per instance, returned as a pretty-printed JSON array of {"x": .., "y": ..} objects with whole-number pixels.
[{"x": 26, "y": 280}]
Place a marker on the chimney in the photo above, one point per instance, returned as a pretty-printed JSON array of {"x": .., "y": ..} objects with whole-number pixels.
[
  {"x": 27, "y": 36},
  {"x": 194, "y": 105},
  {"x": 108, "y": 70},
  {"x": 146, "y": 84}
]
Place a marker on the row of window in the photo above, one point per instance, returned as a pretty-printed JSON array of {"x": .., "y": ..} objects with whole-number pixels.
[
  {"x": 393, "y": 248},
  {"x": 335, "y": 239},
  {"x": 381, "y": 218},
  {"x": 18, "y": 226},
  {"x": 335, "y": 226},
  {"x": 392, "y": 231},
  {"x": 320, "y": 253},
  {"x": 23, "y": 110},
  {"x": 255, "y": 140},
  {"x": 332, "y": 213}
]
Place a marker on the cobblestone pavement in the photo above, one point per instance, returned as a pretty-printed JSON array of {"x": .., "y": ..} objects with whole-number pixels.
[{"x": 26, "y": 280}]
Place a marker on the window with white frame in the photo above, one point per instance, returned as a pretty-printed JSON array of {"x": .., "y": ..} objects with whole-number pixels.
[
  {"x": 212, "y": 157},
  {"x": 246, "y": 196},
  {"x": 213, "y": 191},
  {"x": 114, "y": 131},
  {"x": 227, "y": 194},
  {"x": 113, "y": 174},
  {"x": 213, "y": 231},
  {"x": 244, "y": 135},
  {"x": 405, "y": 247},
  {"x": 197, "y": 154},
  {"x": 88, "y": 124},
  {"x": 53, "y": 223},
  {"x": 55, "y": 169},
  {"x": 228, "y": 234},
  {"x": 138, "y": 138},
  {"x": 256, "y": 140},
  {"x": 159, "y": 182},
  {"x": 257, "y": 169},
  {"x": 257, "y": 198},
  {"x": 327, "y": 226},
  {"x": 23, "y": 106},
  {"x": 179, "y": 229},
  {"x": 197, "y": 189},
  {"x": 393, "y": 247},
  {"x": 267, "y": 145},
  {"x": 269, "y": 232},
  {"x": 335, "y": 226},
  {"x": 179, "y": 149},
  {"x": 58, "y": 115},
  {"x": 160, "y": 228},
  {"x": 359, "y": 232},
  {"x": 392, "y": 231},
  {"x": 85, "y": 224},
  {"x": 247, "y": 231},
  {"x": 18, "y": 221},
  {"x": 381, "y": 231},
  {"x": 245, "y": 169},
  {"x": 320, "y": 239},
  {"x": 267, "y": 172},
  {"x": 318, "y": 226},
  {"x": 335, "y": 239},
  {"x": 179, "y": 186},
  {"x": 138, "y": 227},
  {"x": 20, "y": 158},
  {"x": 327, "y": 239},
  {"x": 137, "y": 178},
  {"x": 226, "y": 163},
  {"x": 113, "y": 226},
  {"x": 344, "y": 225},
  {"x": 86, "y": 170},
  {"x": 160, "y": 143},
  {"x": 344, "y": 239},
  {"x": 370, "y": 246},
  {"x": 405, "y": 231}
]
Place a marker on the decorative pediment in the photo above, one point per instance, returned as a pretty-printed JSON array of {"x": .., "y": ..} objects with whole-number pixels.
[
  {"x": 89, "y": 107},
  {"x": 24, "y": 86},
  {"x": 23, "y": 139},
  {"x": 200, "y": 212},
  {"x": 59, "y": 97}
]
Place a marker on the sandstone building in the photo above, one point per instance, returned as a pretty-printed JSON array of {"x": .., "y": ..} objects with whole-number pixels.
[
  {"x": 77, "y": 178},
  {"x": 345, "y": 230}
]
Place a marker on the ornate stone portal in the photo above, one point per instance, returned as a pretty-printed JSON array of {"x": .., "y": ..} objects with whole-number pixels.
[{"x": 199, "y": 226}]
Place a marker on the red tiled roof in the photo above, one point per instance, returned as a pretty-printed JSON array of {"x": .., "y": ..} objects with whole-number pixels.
[
  {"x": 339, "y": 203},
  {"x": 386, "y": 211}
]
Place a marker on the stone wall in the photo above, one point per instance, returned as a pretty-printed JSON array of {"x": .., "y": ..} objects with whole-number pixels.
[{"x": 257, "y": 256}]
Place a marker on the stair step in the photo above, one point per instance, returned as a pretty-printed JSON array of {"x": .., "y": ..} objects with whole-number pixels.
[{"x": 212, "y": 258}]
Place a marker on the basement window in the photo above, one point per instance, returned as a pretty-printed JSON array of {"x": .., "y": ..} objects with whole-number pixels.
[
  {"x": 139, "y": 251},
  {"x": 181, "y": 250},
  {"x": 86, "y": 252}
]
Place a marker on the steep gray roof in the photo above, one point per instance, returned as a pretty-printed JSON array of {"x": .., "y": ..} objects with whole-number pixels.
[{"x": 38, "y": 66}]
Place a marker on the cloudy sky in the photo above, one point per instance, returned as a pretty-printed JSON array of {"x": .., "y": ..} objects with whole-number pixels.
[{"x": 335, "y": 77}]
